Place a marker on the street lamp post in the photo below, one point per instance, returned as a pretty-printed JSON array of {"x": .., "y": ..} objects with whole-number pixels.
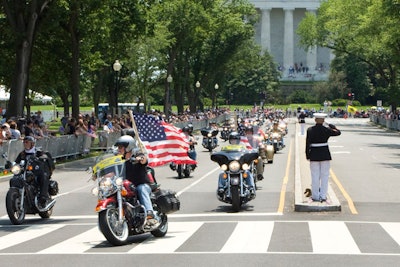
[
  {"x": 116, "y": 67},
  {"x": 216, "y": 86},
  {"x": 198, "y": 95},
  {"x": 167, "y": 97}
]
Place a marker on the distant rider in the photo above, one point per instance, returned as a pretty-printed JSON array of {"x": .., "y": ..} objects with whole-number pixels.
[
  {"x": 234, "y": 139},
  {"x": 41, "y": 172}
]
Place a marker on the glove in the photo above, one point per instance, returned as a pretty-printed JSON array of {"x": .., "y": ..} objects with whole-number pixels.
[{"x": 332, "y": 126}]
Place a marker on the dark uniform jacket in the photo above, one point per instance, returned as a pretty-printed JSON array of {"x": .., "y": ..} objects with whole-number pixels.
[{"x": 316, "y": 142}]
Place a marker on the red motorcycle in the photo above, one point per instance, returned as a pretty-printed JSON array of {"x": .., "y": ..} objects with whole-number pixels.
[{"x": 120, "y": 213}]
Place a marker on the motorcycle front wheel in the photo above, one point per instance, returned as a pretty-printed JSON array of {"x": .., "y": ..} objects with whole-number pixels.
[
  {"x": 179, "y": 170},
  {"x": 13, "y": 206},
  {"x": 115, "y": 232},
  {"x": 235, "y": 195}
]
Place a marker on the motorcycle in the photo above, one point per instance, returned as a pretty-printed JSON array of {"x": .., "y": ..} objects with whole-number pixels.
[
  {"x": 183, "y": 169},
  {"x": 266, "y": 152},
  {"x": 209, "y": 138},
  {"x": 120, "y": 214},
  {"x": 23, "y": 195},
  {"x": 275, "y": 139},
  {"x": 235, "y": 162},
  {"x": 226, "y": 131}
]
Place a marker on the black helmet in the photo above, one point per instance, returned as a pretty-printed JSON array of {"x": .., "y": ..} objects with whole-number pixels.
[
  {"x": 185, "y": 129},
  {"x": 234, "y": 137},
  {"x": 30, "y": 139},
  {"x": 190, "y": 128},
  {"x": 126, "y": 141}
]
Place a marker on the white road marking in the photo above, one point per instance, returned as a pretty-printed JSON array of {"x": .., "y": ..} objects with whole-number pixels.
[
  {"x": 332, "y": 238},
  {"x": 249, "y": 237}
]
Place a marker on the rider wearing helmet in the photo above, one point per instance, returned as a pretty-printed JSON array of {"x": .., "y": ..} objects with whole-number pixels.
[
  {"x": 234, "y": 138},
  {"x": 136, "y": 171},
  {"x": 40, "y": 171}
]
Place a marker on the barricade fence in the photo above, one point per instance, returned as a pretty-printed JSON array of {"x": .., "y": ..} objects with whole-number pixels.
[
  {"x": 73, "y": 146},
  {"x": 392, "y": 124}
]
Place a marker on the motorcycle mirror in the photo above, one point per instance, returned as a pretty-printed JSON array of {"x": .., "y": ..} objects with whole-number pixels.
[{"x": 89, "y": 170}]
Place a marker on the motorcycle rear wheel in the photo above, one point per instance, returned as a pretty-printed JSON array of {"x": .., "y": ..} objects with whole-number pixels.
[
  {"x": 108, "y": 224},
  {"x": 13, "y": 204},
  {"x": 235, "y": 194},
  {"x": 163, "y": 228}
]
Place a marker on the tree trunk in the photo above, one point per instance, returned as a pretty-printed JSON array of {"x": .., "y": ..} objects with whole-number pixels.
[{"x": 75, "y": 48}]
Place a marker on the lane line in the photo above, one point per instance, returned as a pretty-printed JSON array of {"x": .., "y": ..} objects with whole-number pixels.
[
  {"x": 352, "y": 208},
  {"x": 197, "y": 181},
  {"x": 284, "y": 182}
]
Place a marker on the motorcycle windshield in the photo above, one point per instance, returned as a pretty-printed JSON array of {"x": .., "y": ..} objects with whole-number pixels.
[
  {"x": 110, "y": 166},
  {"x": 234, "y": 152}
]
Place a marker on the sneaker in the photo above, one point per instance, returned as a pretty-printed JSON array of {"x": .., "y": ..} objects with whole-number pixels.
[
  {"x": 327, "y": 201},
  {"x": 311, "y": 200},
  {"x": 260, "y": 177}
]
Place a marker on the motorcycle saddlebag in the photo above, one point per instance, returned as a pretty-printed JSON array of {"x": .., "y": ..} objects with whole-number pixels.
[
  {"x": 53, "y": 188},
  {"x": 167, "y": 201}
]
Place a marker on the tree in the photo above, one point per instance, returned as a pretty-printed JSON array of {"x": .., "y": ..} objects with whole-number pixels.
[
  {"x": 23, "y": 18},
  {"x": 367, "y": 30}
]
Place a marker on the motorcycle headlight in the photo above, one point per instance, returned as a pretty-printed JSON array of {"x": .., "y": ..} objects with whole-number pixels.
[
  {"x": 234, "y": 166},
  {"x": 245, "y": 166},
  {"x": 95, "y": 191},
  {"x": 225, "y": 129},
  {"x": 118, "y": 181},
  {"x": 224, "y": 167},
  {"x": 16, "y": 169},
  {"x": 209, "y": 135}
]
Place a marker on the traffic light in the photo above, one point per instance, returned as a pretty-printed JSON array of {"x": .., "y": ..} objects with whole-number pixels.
[
  {"x": 349, "y": 95},
  {"x": 352, "y": 96}
]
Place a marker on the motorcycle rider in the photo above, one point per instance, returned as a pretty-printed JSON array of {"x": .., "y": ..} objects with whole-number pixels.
[
  {"x": 212, "y": 126},
  {"x": 41, "y": 173},
  {"x": 188, "y": 130},
  {"x": 275, "y": 129},
  {"x": 136, "y": 171},
  {"x": 255, "y": 142},
  {"x": 234, "y": 139}
]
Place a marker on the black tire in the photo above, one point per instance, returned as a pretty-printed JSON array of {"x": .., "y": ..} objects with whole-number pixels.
[
  {"x": 163, "y": 228},
  {"x": 13, "y": 203},
  {"x": 186, "y": 170},
  {"x": 180, "y": 171},
  {"x": 108, "y": 224},
  {"x": 46, "y": 214},
  {"x": 235, "y": 194}
]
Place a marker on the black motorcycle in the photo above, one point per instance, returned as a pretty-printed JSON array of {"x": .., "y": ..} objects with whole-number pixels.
[
  {"x": 236, "y": 163},
  {"x": 23, "y": 195},
  {"x": 225, "y": 132},
  {"x": 209, "y": 138}
]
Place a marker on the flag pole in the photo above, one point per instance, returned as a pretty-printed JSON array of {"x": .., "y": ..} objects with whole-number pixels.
[{"x": 141, "y": 146}]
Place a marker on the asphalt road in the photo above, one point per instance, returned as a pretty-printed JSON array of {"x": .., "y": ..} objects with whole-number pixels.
[{"x": 267, "y": 231}]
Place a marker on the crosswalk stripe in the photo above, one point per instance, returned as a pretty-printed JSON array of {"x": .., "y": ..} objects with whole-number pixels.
[
  {"x": 27, "y": 234},
  {"x": 332, "y": 238},
  {"x": 178, "y": 233},
  {"x": 393, "y": 229},
  {"x": 249, "y": 237},
  {"x": 76, "y": 244}
]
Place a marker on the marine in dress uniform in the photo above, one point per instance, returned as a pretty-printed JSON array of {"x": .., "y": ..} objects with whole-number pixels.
[{"x": 317, "y": 152}]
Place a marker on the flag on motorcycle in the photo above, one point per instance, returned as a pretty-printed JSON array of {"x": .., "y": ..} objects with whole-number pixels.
[
  {"x": 351, "y": 109},
  {"x": 245, "y": 141},
  {"x": 164, "y": 142}
]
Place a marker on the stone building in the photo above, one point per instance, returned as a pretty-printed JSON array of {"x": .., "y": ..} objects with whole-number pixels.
[{"x": 276, "y": 32}]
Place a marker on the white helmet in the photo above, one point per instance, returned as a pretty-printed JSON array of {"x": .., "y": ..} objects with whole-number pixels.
[{"x": 126, "y": 141}]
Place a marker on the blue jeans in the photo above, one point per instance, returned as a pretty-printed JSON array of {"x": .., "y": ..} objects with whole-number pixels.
[
  {"x": 144, "y": 192},
  {"x": 249, "y": 180}
]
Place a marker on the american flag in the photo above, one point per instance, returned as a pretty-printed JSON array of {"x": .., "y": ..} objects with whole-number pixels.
[
  {"x": 245, "y": 141},
  {"x": 164, "y": 142}
]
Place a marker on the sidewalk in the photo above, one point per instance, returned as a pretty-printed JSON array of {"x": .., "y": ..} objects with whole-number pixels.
[{"x": 303, "y": 180}]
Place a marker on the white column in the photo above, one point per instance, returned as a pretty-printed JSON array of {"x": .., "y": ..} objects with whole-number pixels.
[
  {"x": 288, "y": 40},
  {"x": 312, "y": 52},
  {"x": 266, "y": 29}
]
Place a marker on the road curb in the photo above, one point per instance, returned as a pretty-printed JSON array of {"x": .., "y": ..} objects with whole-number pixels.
[{"x": 303, "y": 181}]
